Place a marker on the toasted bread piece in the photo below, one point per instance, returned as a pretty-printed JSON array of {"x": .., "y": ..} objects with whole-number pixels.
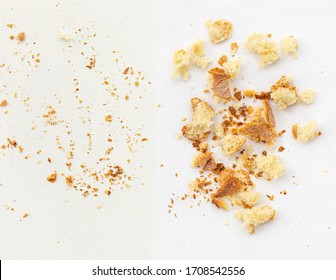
[
  {"x": 305, "y": 133},
  {"x": 283, "y": 82},
  {"x": 268, "y": 113},
  {"x": 289, "y": 45},
  {"x": 306, "y": 96},
  {"x": 219, "y": 30},
  {"x": 259, "y": 132},
  {"x": 231, "y": 182},
  {"x": 255, "y": 216},
  {"x": 232, "y": 143},
  {"x": 181, "y": 60},
  {"x": 232, "y": 68},
  {"x": 219, "y": 83},
  {"x": 201, "y": 159},
  {"x": 199, "y": 127},
  {"x": 270, "y": 166}
]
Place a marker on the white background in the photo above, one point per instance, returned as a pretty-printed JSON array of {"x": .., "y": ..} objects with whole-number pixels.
[{"x": 135, "y": 223}]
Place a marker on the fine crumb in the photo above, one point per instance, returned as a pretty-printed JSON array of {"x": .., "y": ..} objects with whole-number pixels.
[
  {"x": 234, "y": 48},
  {"x": 21, "y": 36},
  {"x": 99, "y": 206},
  {"x": 108, "y": 118},
  {"x": 3, "y": 103},
  {"x": 255, "y": 216},
  {"x": 202, "y": 120},
  {"x": 25, "y": 215},
  {"x": 305, "y": 133},
  {"x": 289, "y": 45},
  {"x": 52, "y": 177},
  {"x": 283, "y": 93},
  {"x": 270, "y": 166},
  {"x": 219, "y": 30},
  {"x": 306, "y": 96}
]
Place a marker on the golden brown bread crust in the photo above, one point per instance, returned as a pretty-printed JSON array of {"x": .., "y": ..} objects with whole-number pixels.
[
  {"x": 259, "y": 132},
  {"x": 230, "y": 186},
  {"x": 269, "y": 116},
  {"x": 219, "y": 83}
]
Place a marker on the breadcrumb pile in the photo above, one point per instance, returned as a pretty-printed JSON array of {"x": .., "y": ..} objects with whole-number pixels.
[{"x": 247, "y": 117}]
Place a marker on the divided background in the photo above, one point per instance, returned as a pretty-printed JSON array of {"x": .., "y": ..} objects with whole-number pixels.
[{"x": 134, "y": 223}]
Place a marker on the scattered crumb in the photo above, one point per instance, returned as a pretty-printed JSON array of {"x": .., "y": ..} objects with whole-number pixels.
[
  {"x": 306, "y": 96},
  {"x": 52, "y": 177},
  {"x": 255, "y": 216},
  {"x": 219, "y": 30},
  {"x": 21, "y": 36},
  {"x": 199, "y": 127},
  {"x": 289, "y": 45},
  {"x": 305, "y": 133}
]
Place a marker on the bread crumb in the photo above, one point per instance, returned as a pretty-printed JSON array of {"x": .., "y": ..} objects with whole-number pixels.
[
  {"x": 220, "y": 203},
  {"x": 69, "y": 180},
  {"x": 257, "y": 43},
  {"x": 202, "y": 120},
  {"x": 21, "y": 36},
  {"x": 219, "y": 30},
  {"x": 219, "y": 84},
  {"x": 255, "y": 216},
  {"x": 181, "y": 60},
  {"x": 64, "y": 37},
  {"x": 108, "y": 118},
  {"x": 232, "y": 68},
  {"x": 283, "y": 93},
  {"x": 222, "y": 60},
  {"x": 266, "y": 59},
  {"x": 197, "y": 48},
  {"x": 201, "y": 159},
  {"x": 249, "y": 93},
  {"x": 232, "y": 143},
  {"x": 305, "y": 133},
  {"x": 234, "y": 48},
  {"x": 3, "y": 103},
  {"x": 99, "y": 206},
  {"x": 270, "y": 166},
  {"x": 52, "y": 177},
  {"x": 289, "y": 45},
  {"x": 306, "y": 96},
  {"x": 201, "y": 62},
  {"x": 247, "y": 198},
  {"x": 25, "y": 215}
]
